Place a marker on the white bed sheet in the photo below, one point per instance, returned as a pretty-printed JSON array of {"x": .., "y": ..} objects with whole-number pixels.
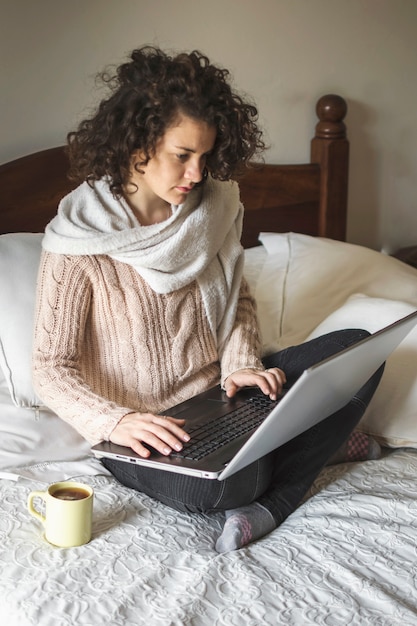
[
  {"x": 39, "y": 445},
  {"x": 346, "y": 556}
]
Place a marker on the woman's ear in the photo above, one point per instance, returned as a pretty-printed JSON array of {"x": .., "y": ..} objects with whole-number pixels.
[{"x": 138, "y": 162}]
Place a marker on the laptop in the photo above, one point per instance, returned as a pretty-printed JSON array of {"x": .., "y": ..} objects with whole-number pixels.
[{"x": 320, "y": 391}]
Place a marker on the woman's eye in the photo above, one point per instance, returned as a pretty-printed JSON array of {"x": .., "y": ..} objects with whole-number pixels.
[{"x": 182, "y": 157}]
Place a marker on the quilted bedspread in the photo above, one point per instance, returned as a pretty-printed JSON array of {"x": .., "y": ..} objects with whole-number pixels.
[{"x": 346, "y": 556}]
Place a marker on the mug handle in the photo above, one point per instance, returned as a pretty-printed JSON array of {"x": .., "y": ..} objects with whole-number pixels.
[{"x": 31, "y": 509}]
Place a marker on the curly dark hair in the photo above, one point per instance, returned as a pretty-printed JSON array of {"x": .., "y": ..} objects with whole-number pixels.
[{"x": 147, "y": 94}]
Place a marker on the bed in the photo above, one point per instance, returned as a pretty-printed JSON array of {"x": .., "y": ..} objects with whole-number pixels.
[{"x": 348, "y": 553}]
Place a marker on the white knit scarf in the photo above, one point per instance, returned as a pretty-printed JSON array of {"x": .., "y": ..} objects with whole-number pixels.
[{"x": 200, "y": 241}]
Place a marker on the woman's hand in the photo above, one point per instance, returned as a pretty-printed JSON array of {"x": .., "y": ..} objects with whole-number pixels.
[
  {"x": 162, "y": 433},
  {"x": 269, "y": 381}
]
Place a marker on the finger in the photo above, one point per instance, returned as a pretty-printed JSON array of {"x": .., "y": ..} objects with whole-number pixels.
[
  {"x": 278, "y": 373},
  {"x": 276, "y": 376},
  {"x": 140, "y": 449},
  {"x": 173, "y": 424},
  {"x": 274, "y": 379},
  {"x": 230, "y": 388},
  {"x": 137, "y": 441},
  {"x": 163, "y": 435},
  {"x": 158, "y": 443}
]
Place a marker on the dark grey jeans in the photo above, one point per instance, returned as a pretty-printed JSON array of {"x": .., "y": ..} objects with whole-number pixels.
[{"x": 279, "y": 480}]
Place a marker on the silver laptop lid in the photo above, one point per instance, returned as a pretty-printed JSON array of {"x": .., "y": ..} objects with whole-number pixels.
[{"x": 320, "y": 391}]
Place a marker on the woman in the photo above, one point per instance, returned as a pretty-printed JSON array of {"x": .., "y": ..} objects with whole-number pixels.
[{"x": 141, "y": 298}]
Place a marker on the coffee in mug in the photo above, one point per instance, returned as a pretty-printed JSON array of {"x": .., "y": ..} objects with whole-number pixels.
[
  {"x": 68, "y": 514},
  {"x": 71, "y": 493}
]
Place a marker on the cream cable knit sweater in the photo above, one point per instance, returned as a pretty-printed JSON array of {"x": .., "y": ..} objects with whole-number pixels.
[{"x": 106, "y": 344}]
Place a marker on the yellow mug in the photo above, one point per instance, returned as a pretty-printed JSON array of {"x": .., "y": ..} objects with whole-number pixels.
[{"x": 68, "y": 513}]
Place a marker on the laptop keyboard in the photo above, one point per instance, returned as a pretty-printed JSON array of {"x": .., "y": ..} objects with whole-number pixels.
[{"x": 209, "y": 437}]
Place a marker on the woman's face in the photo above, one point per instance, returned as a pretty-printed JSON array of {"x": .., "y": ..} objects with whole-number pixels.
[{"x": 178, "y": 163}]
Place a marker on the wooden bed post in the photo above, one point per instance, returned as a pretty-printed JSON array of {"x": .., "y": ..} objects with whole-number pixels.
[{"x": 330, "y": 150}]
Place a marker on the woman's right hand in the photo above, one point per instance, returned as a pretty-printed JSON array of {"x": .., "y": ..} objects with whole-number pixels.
[{"x": 162, "y": 433}]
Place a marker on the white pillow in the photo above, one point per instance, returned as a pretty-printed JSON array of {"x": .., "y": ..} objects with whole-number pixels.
[
  {"x": 323, "y": 273},
  {"x": 392, "y": 414},
  {"x": 361, "y": 311},
  {"x": 19, "y": 262},
  {"x": 331, "y": 285},
  {"x": 39, "y": 445},
  {"x": 266, "y": 275}
]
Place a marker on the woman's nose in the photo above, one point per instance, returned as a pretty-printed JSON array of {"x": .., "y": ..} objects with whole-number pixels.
[{"x": 194, "y": 172}]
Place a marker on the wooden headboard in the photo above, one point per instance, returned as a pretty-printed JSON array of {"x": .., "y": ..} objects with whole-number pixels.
[{"x": 307, "y": 198}]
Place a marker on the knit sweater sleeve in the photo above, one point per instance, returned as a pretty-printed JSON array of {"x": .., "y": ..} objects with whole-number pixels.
[
  {"x": 243, "y": 346},
  {"x": 63, "y": 301}
]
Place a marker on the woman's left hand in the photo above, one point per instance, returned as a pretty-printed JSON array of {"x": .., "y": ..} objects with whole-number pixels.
[{"x": 269, "y": 381}]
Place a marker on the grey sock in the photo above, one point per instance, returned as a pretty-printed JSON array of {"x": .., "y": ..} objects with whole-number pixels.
[
  {"x": 359, "y": 447},
  {"x": 244, "y": 525}
]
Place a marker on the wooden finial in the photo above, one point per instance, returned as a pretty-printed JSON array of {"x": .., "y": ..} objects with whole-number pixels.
[
  {"x": 330, "y": 150},
  {"x": 331, "y": 111}
]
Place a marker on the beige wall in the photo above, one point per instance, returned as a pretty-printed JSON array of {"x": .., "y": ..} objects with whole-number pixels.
[{"x": 284, "y": 53}]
